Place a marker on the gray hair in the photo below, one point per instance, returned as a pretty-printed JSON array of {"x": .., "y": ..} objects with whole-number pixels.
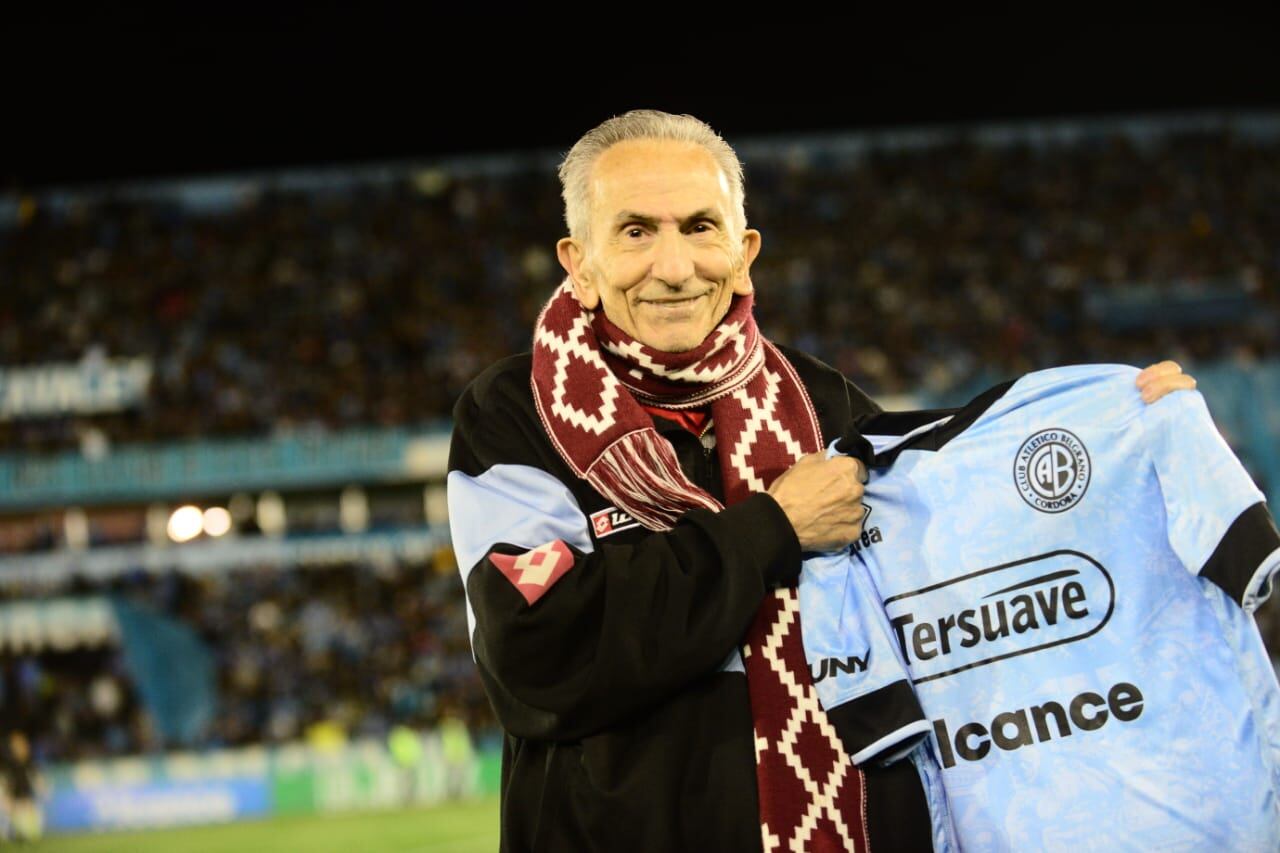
[{"x": 575, "y": 171}]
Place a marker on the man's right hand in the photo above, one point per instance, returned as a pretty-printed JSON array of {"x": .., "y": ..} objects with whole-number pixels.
[{"x": 823, "y": 500}]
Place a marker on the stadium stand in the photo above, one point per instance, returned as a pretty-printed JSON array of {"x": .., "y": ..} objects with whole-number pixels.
[
  {"x": 355, "y": 645},
  {"x": 288, "y": 346},
  {"x": 910, "y": 262}
]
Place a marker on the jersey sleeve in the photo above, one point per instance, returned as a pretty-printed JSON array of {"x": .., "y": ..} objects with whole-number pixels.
[
  {"x": 571, "y": 637},
  {"x": 861, "y": 681},
  {"x": 1218, "y": 522}
]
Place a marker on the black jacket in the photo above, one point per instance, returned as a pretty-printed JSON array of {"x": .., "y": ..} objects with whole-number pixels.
[{"x": 620, "y": 689}]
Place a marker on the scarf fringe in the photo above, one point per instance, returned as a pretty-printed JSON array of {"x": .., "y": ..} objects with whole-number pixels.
[{"x": 640, "y": 473}]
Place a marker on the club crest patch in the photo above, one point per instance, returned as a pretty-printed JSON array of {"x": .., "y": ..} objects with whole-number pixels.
[
  {"x": 534, "y": 571},
  {"x": 1052, "y": 470}
]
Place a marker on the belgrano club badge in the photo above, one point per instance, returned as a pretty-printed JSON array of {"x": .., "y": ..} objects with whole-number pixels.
[{"x": 1052, "y": 470}]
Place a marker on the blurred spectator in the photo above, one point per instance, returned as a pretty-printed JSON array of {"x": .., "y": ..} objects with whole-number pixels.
[{"x": 20, "y": 815}]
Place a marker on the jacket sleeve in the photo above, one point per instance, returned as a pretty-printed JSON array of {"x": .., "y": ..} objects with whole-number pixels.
[{"x": 571, "y": 637}]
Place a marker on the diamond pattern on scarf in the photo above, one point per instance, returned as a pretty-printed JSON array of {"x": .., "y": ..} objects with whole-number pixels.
[
  {"x": 584, "y": 392},
  {"x": 763, "y": 426},
  {"x": 810, "y": 792},
  {"x": 729, "y": 345}
]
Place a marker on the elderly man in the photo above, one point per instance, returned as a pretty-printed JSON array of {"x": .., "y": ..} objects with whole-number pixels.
[{"x": 629, "y": 505}]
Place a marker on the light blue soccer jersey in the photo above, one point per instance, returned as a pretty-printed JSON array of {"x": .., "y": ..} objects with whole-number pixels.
[{"x": 1069, "y": 575}]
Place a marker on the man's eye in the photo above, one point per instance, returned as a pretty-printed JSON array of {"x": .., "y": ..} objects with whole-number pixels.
[
  {"x": 635, "y": 233},
  {"x": 702, "y": 227}
]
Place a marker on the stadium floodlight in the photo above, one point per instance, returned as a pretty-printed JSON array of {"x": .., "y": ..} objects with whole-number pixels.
[
  {"x": 353, "y": 510},
  {"x": 435, "y": 505},
  {"x": 186, "y": 523},
  {"x": 271, "y": 516},
  {"x": 217, "y": 521},
  {"x": 75, "y": 527}
]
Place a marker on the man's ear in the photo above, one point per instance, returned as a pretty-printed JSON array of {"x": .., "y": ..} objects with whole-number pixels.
[
  {"x": 750, "y": 249},
  {"x": 571, "y": 255}
]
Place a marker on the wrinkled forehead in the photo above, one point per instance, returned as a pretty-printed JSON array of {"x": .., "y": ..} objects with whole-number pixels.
[{"x": 659, "y": 178}]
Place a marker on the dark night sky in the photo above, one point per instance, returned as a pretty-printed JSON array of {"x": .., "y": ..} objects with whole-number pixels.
[{"x": 131, "y": 97}]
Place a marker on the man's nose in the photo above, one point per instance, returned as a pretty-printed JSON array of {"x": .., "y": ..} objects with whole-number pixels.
[{"x": 672, "y": 259}]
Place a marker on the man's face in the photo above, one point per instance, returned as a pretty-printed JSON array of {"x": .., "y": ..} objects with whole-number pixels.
[{"x": 663, "y": 258}]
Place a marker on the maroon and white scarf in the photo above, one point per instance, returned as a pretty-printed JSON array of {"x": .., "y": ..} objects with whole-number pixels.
[{"x": 590, "y": 380}]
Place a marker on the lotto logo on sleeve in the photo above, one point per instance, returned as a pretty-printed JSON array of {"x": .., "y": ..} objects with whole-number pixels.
[
  {"x": 533, "y": 572},
  {"x": 611, "y": 520}
]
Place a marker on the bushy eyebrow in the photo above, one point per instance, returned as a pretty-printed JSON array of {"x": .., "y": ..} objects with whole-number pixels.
[{"x": 627, "y": 217}]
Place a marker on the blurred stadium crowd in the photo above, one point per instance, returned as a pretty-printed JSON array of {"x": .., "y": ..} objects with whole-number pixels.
[
  {"x": 913, "y": 266},
  {"x": 909, "y": 268},
  {"x": 352, "y": 650}
]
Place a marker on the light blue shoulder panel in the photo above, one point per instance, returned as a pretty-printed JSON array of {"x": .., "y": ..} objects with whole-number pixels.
[{"x": 516, "y": 504}]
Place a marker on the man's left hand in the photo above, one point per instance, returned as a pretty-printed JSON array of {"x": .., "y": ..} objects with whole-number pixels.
[{"x": 1159, "y": 379}]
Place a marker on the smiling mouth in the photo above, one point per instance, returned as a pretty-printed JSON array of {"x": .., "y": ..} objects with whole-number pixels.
[{"x": 682, "y": 301}]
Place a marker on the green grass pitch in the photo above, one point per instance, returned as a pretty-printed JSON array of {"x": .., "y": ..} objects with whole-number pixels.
[{"x": 467, "y": 827}]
